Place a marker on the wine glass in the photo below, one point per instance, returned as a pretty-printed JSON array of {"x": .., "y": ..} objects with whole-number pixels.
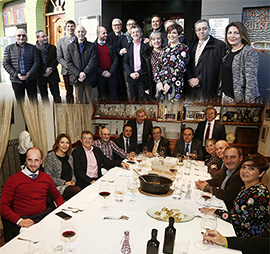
[
  {"x": 162, "y": 155},
  {"x": 207, "y": 194},
  {"x": 139, "y": 158},
  {"x": 132, "y": 187},
  {"x": 68, "y": 233},
  {"x": 104, "y": 191}
]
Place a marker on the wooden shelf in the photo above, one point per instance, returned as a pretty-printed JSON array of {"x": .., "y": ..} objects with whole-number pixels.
[{"x": 245, "y": 124}]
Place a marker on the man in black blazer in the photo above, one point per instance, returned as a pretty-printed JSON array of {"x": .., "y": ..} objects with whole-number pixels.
[
  {"x": 141, "y": 128},
  {"x": 156, "y": 142},
  {"x": 88, "y": 161},
  {"x": 132, "y": 64},
  {"x": 216, "y": 128},
  {"x": 48, "y": 72},
  {"x": 126, "y": 142},
  {"x": 188, "y": 145}
]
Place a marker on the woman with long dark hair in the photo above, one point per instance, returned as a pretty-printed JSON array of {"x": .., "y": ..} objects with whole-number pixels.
[{"x": 59, "y": 165}]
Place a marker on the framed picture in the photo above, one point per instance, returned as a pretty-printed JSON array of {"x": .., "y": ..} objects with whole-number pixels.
[
  {"x": 267, "y": 114},
  {"x": 264, "y": 133},
  {"x": 190, "y": 115},
  {"x": 199, "y": 116}
]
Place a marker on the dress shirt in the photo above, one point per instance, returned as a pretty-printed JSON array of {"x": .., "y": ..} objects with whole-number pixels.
[
  {"x": 70, "y": 40},
  {"x": 139, "y": 133},
  {"x": 189, "y": 147},
  {"x": 92, "y": 167},
  {"x": 81, "y": 47},
  {"x": 125, "y": 143},
  {"x": 118, "y": 35},
  {"x": 109, "y": 148},
  {"x": 137, "y": 56},
  {"x": 22, "y": 69},
  {"x": 101, "y": 42},
  {"x": 202, "y": 46},
  {"x": 228, "y": 175},
  {"x": 212, "y": 123},
  {"x": 155, "y": 147}
]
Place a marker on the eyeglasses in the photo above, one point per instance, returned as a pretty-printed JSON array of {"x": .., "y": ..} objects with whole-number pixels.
[
  {"x": 117, "y": 25},
  {"x": 131, "y": 24},
  {"x": 202, "y": 29},
  {"x": 21, "y": 35}
]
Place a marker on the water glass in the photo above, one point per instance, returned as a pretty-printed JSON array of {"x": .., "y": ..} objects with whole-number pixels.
[
  {"x": 182, "y": 246},
  {"x": 177, "y": 194},
  {"x": 119, "y": 193}
]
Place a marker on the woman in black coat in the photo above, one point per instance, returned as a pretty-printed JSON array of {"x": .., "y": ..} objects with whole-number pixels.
[{"x": 149, "y": 64}]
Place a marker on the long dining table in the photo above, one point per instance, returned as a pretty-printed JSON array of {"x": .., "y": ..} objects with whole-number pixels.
[{"x": 98, "y": 236}]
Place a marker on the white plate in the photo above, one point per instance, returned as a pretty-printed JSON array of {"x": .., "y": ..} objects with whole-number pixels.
[
  {"x": 178, "y": 212},
  {"x": 214, "y": 202}
]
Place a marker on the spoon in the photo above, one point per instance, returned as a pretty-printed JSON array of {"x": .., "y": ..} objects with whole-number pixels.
[
  {"x": 28, "y": 240},
  {"x": 123, "y": 217},
  {"x": 139, "y": 175}
]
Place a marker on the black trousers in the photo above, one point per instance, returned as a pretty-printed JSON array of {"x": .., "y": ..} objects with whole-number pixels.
[{"x": 29, "y": 86}]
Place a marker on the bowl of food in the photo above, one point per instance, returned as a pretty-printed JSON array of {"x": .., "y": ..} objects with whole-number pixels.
[{"x": 155, "y": 184}]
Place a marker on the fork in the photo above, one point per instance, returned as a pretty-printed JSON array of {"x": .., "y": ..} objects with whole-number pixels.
[
  {"x": 28, "y": 240},
  {"x": 123, "y": 217},
  {"x": 79, "y": 210}
]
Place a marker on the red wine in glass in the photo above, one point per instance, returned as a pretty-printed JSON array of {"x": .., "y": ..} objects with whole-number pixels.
[
  {"x": 68, "y": 234},
  {"x": 104, "y": 194}
]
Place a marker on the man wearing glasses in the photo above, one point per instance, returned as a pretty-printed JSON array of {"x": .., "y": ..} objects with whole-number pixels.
[
  {"x": 203, "y": 67},
  {"x": 21, "y": 61}
]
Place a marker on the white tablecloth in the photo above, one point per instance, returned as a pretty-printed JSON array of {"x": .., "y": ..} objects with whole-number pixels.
[{"x": 98, "y": 236}]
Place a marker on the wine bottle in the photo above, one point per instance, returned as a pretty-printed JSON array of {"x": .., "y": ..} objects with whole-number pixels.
[
  {"x": 169, "y": 237},
  {"x": 225, "y": 116},
  {"x": 153, "y": 243}
]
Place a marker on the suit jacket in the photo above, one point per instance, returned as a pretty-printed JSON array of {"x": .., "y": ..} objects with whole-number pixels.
[
  {"x": 51, "y": 62},
  {"x": 113, "y": 39},
  {"x": 207, "y": 69},
  {"x": 196, "y": 145},
  {"x": 163, "y": 143},
  {"x": 147, "y": 129},
  {"x": 85, "y": 62},
  {"x": 129, "y": 59},
  {"x": 219, "y": 132},
  {"x": 232, "y": 187},
  {"x": 80, "y": 165},
  {"x": 62, "y": 54}
]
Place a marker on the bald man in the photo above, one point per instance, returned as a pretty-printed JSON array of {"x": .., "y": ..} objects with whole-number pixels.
[
  {"x": 107, "y": 146},
  {"x": 82, "y": 65},
  {"x": 21, "y": 61},
  {"x": 107, "y": 66},
  {"x": 23, "y": 199}
]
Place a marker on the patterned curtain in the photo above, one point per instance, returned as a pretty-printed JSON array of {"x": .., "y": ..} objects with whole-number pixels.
[
  {"x": 34, "y": 116},
  {"x": 5, "y": 116},
  {"x": 72, "y": 119}
]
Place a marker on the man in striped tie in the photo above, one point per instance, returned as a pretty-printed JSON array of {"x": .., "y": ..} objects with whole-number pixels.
[{"x": 203, "y": 68}]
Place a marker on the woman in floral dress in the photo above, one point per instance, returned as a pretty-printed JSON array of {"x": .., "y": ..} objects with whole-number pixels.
[
  {"x": 250, "y": 213},
  {"x": 172, "y": 66}
]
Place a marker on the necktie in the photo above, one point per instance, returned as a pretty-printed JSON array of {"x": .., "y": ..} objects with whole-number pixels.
[
  {"x": 187, "y": 148},
  {"x": 207, "y": 132},
  {"x": 34, "y": 176},
  {"x": 198, "y": 53},
  {"x": 127, "y": 146},
  {"x": 154, "y": 148}
]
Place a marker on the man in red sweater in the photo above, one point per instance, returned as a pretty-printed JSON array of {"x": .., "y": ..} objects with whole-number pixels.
[
  {"x": 23, "y": 199},
  {"x": 107, "y": 66}
]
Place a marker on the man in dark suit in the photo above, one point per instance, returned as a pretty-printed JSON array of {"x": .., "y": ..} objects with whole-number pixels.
[
  {"x": 132, "y": 64},
  {"x": 113, "y": 38},
  {"x": 227, "y": 184},
  {"x": 48, "y": 72},
  {"x": 188, "y": 145},
  {"x": 62, "y": 57},
  {"x": 107, "y": 66},
  {"x": 203, "y": 67},
  {"x": 157, "y": 26},
  {"x": 141, "y": 128},
  {"x": 88, "y": 161},
  {"x": 156, "y": 143},
  {"x": 126, "y": 142},
  {"x": 210, "y": 128}
]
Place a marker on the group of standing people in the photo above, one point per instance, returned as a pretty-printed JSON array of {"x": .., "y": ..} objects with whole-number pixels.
[{"x": 133, "y": 66}]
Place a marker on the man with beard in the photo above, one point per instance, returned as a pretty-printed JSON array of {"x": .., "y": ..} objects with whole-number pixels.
[
  {"x": 24, "y": 195},
  {"x": 21, "y": 61},
  {"x": 48, "y": 72}
]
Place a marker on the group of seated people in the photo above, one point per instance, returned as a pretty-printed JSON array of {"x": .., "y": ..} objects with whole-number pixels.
[{"x": 234, "y": 180}]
